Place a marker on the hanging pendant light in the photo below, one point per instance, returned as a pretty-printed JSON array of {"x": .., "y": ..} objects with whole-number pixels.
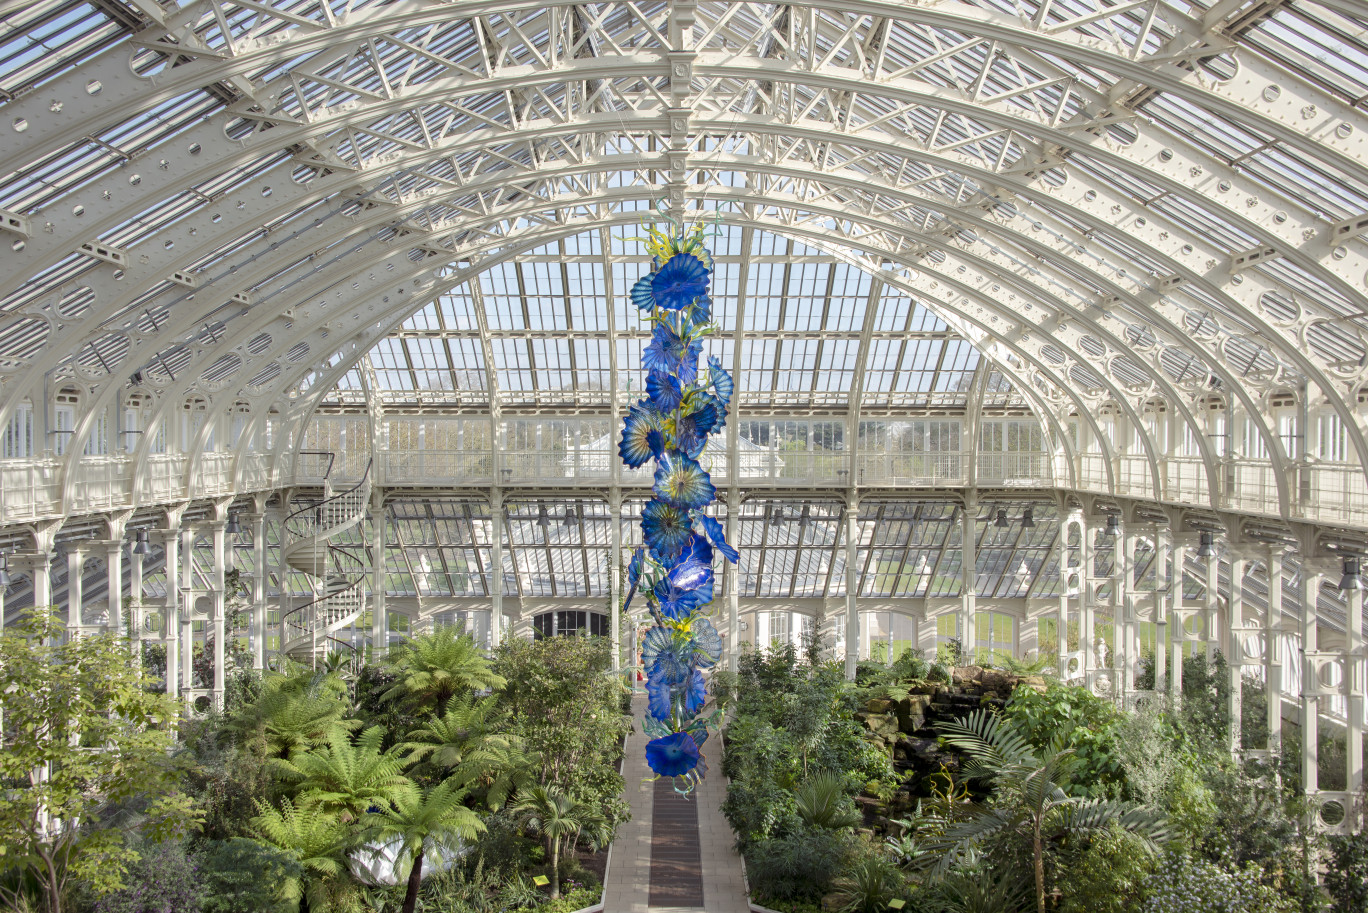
[
  {"x": 1351, "y": 579},
  {"x": 233, "y": 527},
  {"x": 543, "y": 517},
  {"x": 141, "y": 545},
  {"x": 1002, "y": 521},
  {"x": 571, "y": 518},
  {"x": 1028, "y": 518},
  {"x": 777, "y": 519},
  {"x": 5, "y": 579},
  {"x": 1206, "y": 545},
  {"x": 1113, "y": 526}
]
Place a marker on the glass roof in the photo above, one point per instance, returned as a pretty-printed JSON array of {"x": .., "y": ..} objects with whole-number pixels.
[{"x": 552, "y": 321}]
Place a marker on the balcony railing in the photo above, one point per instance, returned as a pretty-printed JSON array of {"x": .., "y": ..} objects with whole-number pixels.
[{"x": 33, "y": 489}]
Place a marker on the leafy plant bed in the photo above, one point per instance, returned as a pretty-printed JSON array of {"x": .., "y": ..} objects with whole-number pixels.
[{"x": 987, "y": 789}]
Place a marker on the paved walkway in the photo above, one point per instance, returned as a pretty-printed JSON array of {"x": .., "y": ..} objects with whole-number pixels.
[{"x": 628, "y": 888}]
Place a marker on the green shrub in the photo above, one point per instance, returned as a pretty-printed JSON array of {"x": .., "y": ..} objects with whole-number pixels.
[
  {"x": 241, "y": 876},
  {"x": 163, "y": 879},
  {"x": 1182, "y": 884},
  {"x": 1109, "y": 877},
  {"x": 867, "y": 885},
  {"x": 1346, "y": 875},
  {"x": 799, "y": 866},
  {"x": 1093, "y": 725}
]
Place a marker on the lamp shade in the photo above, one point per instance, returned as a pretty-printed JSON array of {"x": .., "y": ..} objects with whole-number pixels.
[
  {"x": 233, "y": 527},
  {"x": 1113, "y": 525},
  {"x": 1351, "y": 579},
  {"x": 1206, "y": 546},
  {"x": 1028, "y": 518},
  {"x": 140, "y": 544},
  {"x": 1002, "y": 521}
]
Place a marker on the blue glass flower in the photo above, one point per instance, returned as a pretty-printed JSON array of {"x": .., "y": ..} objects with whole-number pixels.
[
  {"x": 643, "y": 294},
  {"x": 713, "y": 530},
  {"x": 672, "y": 756},
  {"x": 655, "y": 641},
  {"x": 670, "y": 666},
  {"x": 721, "y": 381},
  {"x": 659, "y": 698},
  {"x": 682, "y": 482},
  {"x": 668, "y": 353},
  {"x": 696, "y": 693},
  {"x": 681, "y": 280},
  {"x": 634, "y": 567},
  {"x": 700, "y": 550},
  {"x": 707, "y": 644},
  {"x": 706, "y": 413},
  {"x": 635, "y": 448},
  {"x": 688, "y": 586},
  {"x": 688, "y": 437},
  {"x": 664, "y": 391},
  {"x": 666, "y": 529}
]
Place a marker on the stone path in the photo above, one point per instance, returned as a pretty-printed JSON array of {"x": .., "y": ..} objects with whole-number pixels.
[{"x": 628, "y": 887}]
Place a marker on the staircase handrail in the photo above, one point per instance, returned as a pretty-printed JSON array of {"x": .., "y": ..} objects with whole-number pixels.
[
  {"x": 356, "y": 574},
  {"x": 292, "y": 521},
  {"x": 332, "y": 457}
]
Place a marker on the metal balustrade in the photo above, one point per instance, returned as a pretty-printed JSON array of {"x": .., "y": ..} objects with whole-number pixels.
[
  {"x": 312, "y": 537},
  {"x": 34, "y": 489}
]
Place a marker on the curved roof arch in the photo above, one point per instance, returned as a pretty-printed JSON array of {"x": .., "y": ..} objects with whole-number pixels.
[{"x": 245, "y": 199}]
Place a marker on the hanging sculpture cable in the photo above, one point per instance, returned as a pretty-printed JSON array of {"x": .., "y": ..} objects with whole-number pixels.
[{"x": 674, "y": 569}]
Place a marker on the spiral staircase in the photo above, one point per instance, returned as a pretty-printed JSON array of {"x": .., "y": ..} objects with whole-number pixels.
[{"x": 325, "y": 539}]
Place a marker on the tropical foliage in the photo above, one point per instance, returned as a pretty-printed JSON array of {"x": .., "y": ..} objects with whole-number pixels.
[
  {"x": 317, "y": 790},
  {"x": 1052, "y": 800}
]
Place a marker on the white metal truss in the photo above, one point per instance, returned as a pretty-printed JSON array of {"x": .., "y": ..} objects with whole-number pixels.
[{"x": 307, "y": 178}]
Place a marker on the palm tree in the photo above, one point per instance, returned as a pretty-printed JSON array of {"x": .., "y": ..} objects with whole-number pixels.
[
  {"x": 1030, "y": 799},
  {"x": 423, "y": 820},
  {"x": 346, "y": 778},
  {"x": 433, "y": 668},
  {"x": 315, "y": 839},
  {"x": 555, "y": 816}
]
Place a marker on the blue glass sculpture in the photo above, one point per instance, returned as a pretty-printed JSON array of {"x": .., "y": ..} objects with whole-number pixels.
[{"x": 674, "y": 569}]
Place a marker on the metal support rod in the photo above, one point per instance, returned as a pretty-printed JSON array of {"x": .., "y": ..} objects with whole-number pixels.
[
  {"x": 217, "y": 609},
  {"x": 852, "y": 643},
  {"x": 1310, "y": 704},
  {"x": 1162, "y": 598},
  {"x": 1354, "y": 703},
  {"x": 379, "y": 632},
  {"x": 615, "y": 574},
  {"x": 1235, "y": 650},
  {"x": 259, "y": 591},
  {"x": 171, "y": 609},
  {"x": 187, "y": 609},
  {"x": 1273, "y": 647},
  {"x": 968, "y": 578},
  {"x": 496, "y": 570},
  {"x": 114, "y": 585},
  {"x": 734, "y": 589},
  {"x": 75, "y": 580}
]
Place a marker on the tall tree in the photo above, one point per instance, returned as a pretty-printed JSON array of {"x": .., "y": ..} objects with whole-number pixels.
[
  {"x": 424, "y": 821},
  {"x": 82, "y": 734},
  {"x": 433, "y": 668},
  {"x": 1030, "y": 801}
]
